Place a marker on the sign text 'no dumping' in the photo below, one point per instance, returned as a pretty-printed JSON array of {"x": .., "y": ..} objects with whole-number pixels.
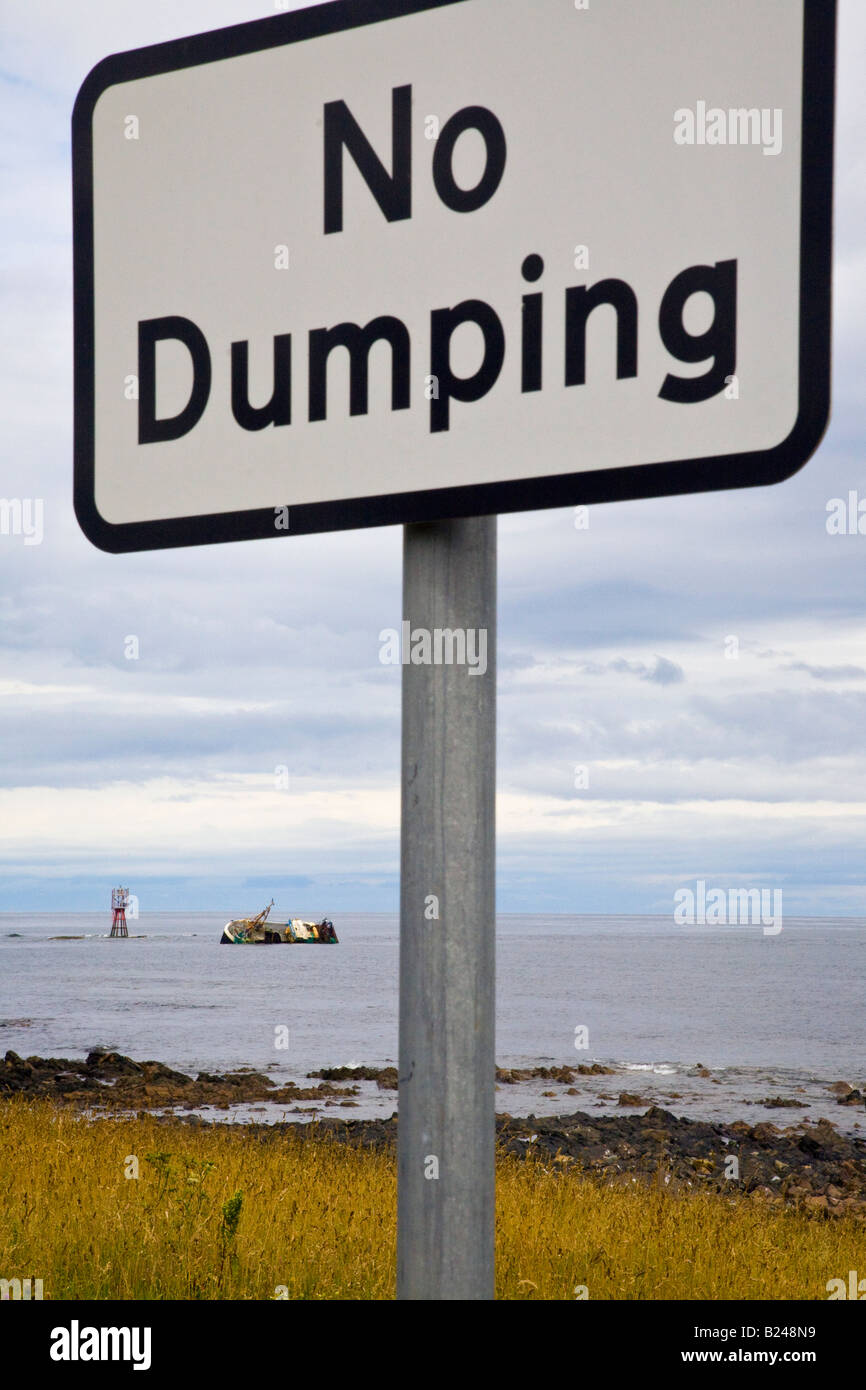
[{"x": 393, "y": 260}]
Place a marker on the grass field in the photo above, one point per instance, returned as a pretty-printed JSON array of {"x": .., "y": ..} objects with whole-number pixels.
[{"x": 217, "y": 1214}]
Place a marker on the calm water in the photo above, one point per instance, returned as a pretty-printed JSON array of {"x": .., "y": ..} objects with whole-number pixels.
[{"x": 766, "y": 1015}]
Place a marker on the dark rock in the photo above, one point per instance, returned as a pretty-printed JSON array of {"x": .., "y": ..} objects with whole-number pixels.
[
  {"x": 781, "y": 1103},
  {"x": 656, "y": 1113},
  {"x": 350, "y": 1073},
  {"x": 565, "y": 1074},
  {"x": 156, "y": 1071},
  {"x": 810, "y": 1143},
  {"x": 16, "y": 1063},
  {"x": 73, "y": 1081},
  {"x": 111, "y": 1063},
  {"x": 764, "y": 1133}
]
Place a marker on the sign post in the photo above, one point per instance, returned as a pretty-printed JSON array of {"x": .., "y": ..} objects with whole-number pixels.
[
  {"x": 422, "y": 262},
  {"x": 447, "y": 915}
]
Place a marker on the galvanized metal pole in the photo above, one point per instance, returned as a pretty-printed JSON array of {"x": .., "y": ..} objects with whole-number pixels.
[{"x": 445, "y": 1208}]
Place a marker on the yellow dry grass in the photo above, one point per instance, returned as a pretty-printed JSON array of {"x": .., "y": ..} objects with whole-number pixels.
[{"x": 221, "y": 1214}]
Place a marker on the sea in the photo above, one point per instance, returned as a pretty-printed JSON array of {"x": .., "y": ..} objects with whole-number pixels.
[{"x": 706, "y": 1021}]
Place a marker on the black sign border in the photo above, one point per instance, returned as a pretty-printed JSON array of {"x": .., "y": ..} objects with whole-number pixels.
[{"x": 717, "y": 472}]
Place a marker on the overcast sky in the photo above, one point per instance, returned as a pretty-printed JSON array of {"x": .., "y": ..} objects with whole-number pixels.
[{"x": 161, "y": 772}]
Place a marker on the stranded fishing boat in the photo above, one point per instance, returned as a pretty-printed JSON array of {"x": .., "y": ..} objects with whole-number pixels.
[{"x": 258, "y": 931}]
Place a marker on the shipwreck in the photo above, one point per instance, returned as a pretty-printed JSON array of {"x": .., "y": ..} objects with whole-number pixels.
[{"x": 261, "y": 931}]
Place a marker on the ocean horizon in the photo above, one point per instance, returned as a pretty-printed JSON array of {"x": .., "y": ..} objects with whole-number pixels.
[{"x": 705, "y": 1021}]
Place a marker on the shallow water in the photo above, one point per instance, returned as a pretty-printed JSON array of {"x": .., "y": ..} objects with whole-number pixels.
[{"x": 766, "y": 1015}]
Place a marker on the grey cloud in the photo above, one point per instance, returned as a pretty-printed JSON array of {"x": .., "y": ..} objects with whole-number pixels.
[
  {"x": 828, "y": 673},
  {"x": 290, "y": 628}
]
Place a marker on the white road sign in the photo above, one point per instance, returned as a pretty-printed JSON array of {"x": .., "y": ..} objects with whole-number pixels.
[{"x": 390, "y": 260}]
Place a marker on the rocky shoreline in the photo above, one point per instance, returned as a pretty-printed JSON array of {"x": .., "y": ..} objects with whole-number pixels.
[
  {"x": 111, "y": 1081},
  {"x": 803, "y": 1164},
  {"x": 812, "y": 1166}
]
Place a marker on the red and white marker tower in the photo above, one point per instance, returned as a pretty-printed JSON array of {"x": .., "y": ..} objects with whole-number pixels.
[{"x": 119, "y": 904}]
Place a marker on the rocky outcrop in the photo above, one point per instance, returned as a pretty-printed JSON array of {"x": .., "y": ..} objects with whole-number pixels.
[
  {"x": 109, "y": 1080},
  {"x": 813, "y": 1167}
]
